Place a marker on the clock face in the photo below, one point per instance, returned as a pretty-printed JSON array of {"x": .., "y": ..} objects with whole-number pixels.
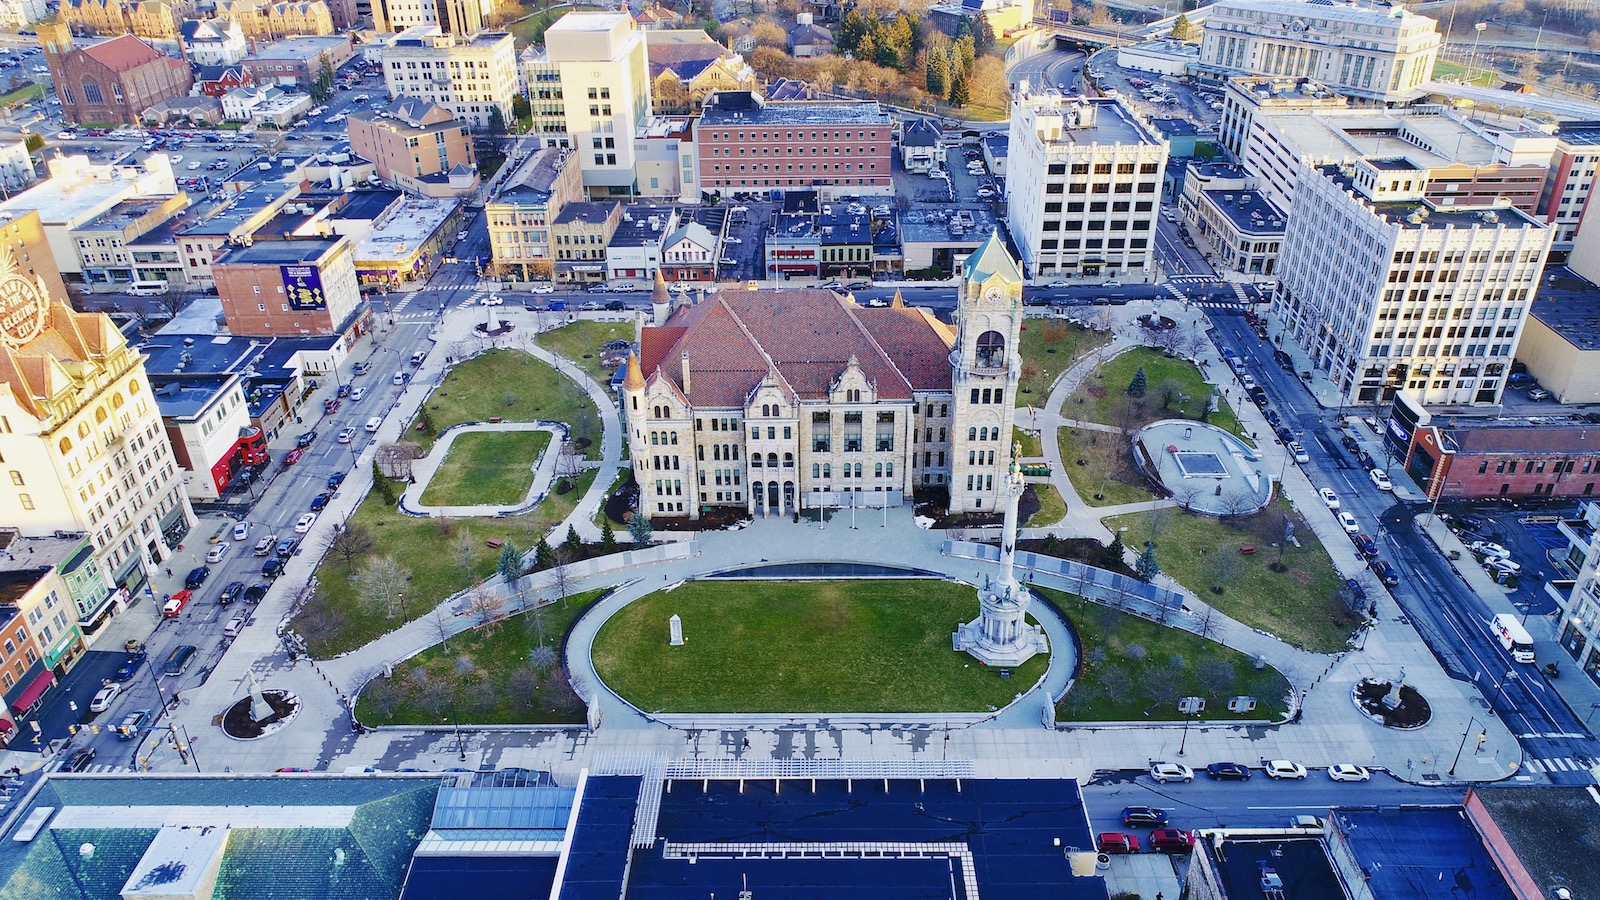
[{"x": 993, "y": 293}]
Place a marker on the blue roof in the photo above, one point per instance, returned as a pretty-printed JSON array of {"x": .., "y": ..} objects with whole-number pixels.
[
  {"x": 597, "y": 856},
  {"x": 453, "y": 877},
  {"x": 541, "y": 810},
  {"x": 1421, "y": 853},
  {"x": 1301, "y": 862}
]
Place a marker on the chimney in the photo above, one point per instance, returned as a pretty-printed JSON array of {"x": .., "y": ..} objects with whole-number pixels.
[{"x": 685, "y": 363}]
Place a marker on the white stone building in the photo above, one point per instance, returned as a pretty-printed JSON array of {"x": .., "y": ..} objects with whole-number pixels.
[
  {"x": 605, "y": 89},
  {"x": 16, "y": 163},
  {"x": 775, "y": 401},
  {"x": 1379, "y": 53},
  {"x": 22, "y": 13},
  {"x": 1387, "y": 291},
  {"x": 1092, "y": 170},
  {"x": 466, "y": 74}
]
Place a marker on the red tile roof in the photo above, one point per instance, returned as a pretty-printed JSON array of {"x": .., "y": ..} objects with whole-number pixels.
[
  {"x": 807, "y": 336},
  {"x": 123, "y": 53}
]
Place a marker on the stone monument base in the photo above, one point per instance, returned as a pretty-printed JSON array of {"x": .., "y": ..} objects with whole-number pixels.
[{"x": 1030, "y": 642}]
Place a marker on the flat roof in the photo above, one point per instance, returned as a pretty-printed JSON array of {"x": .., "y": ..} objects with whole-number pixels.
[
  {"x": 1399, "y": 211},
  {"x": 237, "y": 212},
  {"x": 301, "y": 48},
  {"x": 184, "y": 397},
  {"x": 1301, "y": 863},
  {"x": 1411, "y": 852},
  {"x": 365, "y": 205},
  {"x": 65, "y": 197},
  {"x": 1113, "y": 122},
  {"x": 638, "y": 232},
  {"x": 955, "y": 225},
  {"x": 1569, "y": 306},
  {"x": 29, "y": 553},
  {"x": 584, "y": 210},
  {"x": 533, "y": 180},
  {"x": 1553, "y": 830},
  {"x": 1422, "y": 134},
  {"x": 124, "y": 214},
  {"x": 405, "y": 229},
  {"x": 1249, "y": 211},
  {"x": 786, "y": 113},
  {"x": 296, "y": 251},
  {"x": 199, "y": 354}
]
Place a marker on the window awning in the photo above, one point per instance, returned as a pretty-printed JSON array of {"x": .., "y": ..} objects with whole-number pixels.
[{"x": 35, "y": 689}]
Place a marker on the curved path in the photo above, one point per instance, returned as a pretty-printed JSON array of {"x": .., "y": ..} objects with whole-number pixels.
[{"x": 424, "y": 469}]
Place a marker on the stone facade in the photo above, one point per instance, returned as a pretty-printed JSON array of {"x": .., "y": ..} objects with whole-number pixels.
[
  {"x": 273, "y": 21},
  {"x": 155, "y": 20}
]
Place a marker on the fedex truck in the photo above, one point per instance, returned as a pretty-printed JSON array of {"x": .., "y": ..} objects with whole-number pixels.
[{"x": 1513, "y": 637}]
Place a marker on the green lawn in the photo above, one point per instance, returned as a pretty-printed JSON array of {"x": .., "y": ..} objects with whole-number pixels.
[
  {"x": 1028, "y": 442},
  {"x": 1103, "y": 396},
  {"x": 486, "y": 467},
  {"x": 581, "y": 342},
  {"x": 1107, "y": 477},
  {"x": 833, "y": 646},
  {"x": 485, "y": 675},
  {"x": 1049, "y": 347},
  {"x": 1135, "y": 670},
  {"x": 26, "y": 92},
  {"x": 1301, "y": 605},
  {"x": 442, "y": 555},
  {"x": 1051, "y": 507},
  {"x": 516, "y": 387}
]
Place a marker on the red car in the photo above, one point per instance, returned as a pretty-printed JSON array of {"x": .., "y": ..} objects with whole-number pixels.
[
  {"x": 1117, "y": 842},
  {"x": 176, "y": 603},
  {"x": 293, "y": 456},
  {"x": 1171, "y": 840}
]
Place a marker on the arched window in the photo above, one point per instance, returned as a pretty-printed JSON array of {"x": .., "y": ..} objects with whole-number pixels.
[
  {"x": 858, "y": 470},
  {"x": 888, "y": 469},
  {"x": 674, "y": 439},
  {"x": 827, "y": 470},
  {"x": 133, "y": 387},
  {"x": 877, "y": 470},
  {"x": 772, "y": 460},
  {"x": 755, "y": 460},
  {"x": 653, "y": 438},
  {"x": 65, "y": 445},
  {"x": 983, "y": 433},
  {"x": 788, "y": 459},
  {"x": 816, "y": 470},
  {"x": 972, "y": 434},
  {"x": 99, "y": 415},
  {"x": 116, "y": 401},
  {"x": 91, "y": 92},
  {"x": 991, "y": 350}
]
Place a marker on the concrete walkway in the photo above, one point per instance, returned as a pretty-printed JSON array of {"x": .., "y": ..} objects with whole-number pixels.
[{"x": 423, "y": 470}]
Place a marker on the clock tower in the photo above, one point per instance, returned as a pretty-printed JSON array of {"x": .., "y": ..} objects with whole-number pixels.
[{"x": 985, "y": 367}]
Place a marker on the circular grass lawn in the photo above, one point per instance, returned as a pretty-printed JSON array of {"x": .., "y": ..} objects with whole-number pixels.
[{"x": 803, "y": 647}]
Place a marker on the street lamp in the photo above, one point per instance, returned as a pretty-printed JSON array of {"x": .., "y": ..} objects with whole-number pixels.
[
  {"x": 1473, "y": 58},
  {"x": 455, "y": 724},
  {"x": 1500, "y": 688},
  {"x": 1464, "y": 735},
  {"x": 1185, "y": 740}
]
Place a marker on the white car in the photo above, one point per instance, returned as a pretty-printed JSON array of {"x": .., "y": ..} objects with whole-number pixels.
[
  {"x": 1489, "y": 550},
  {"x": 241, "y": 531},
  {"x": 1283, "y": 768},
  {"x": 544, "y": 288},
  {"x": 727, "y": 261},
  {"x": 347, "y": 435},
  {"x": 102, "y": 700},
  {"x": 218, "y": 551},
  {"x": 1299, "y": 451},
  {"x": 357, "y": 393},
  {"x": 1348, "y": 772},
  {"x": 1348, "y": 523},
  {"x": 461, "y": 235},
  {"x": 1059, "y": 284},
  {"x": 1381, "y": 479},
  {"x": 732, "y": 241},
  {"x": 493, "y": 300},
  {"x": 304, "y": 523},
  {"x": 1164, "y": 772},
  {"x": 1329, "y": 497},
  {"x": 1503, "y": 565}
]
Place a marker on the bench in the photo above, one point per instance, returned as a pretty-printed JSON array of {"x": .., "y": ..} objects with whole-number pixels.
[
  {"x": 494, "y": 542},
  {"x": 1247, "y": 549}
]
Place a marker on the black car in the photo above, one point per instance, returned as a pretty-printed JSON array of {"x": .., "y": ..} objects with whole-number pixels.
[
  {"x": 1384, "y": 571},
  {"x": 231, "y": 592},
  {"x": 305, "y": 440},
  {"x": 335, "y": 480},
  {"x": 1144, "y": 816},
  {"x": 79, "y": 760},
  {"x": 1365, "y": 543},
  {"x": 272, "y": 568},
  {"x": 196, "y": 577},
  {"x": 255, "y": 592},
  {"x": 131, "y": 665},
  {"x": 320, "y": 501},
  {"x": 1228, "y": 771},
  {"x": 616, "y": 306}
]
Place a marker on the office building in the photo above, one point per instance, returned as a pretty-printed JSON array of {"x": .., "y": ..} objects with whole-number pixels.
[
  {"x": 519, "y": 215},
  {"x": 110, "y": 82},
  {"x": 1388, "y": 291},
  {"x": 463, "y": 17},
  {"x": 1092, "y": 170},
  {"x": 605, "y": 87},
  {"x": 284, "y": 288},
  {"x": 1236, "y": 225},
  {"x": 473, "y": 76},
  {"x": 1377, "y": 53},
  {"x": 838, "y": 148},
  {"x": 1570, "y": 188},
  {"x": 416, "y": 145}
]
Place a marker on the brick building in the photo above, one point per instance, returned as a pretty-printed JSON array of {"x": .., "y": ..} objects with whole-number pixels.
[
  {"x": 747, "y": 144},
  {"x": 414, "y": 144},
  {"x": 110, "y": 82},
  {"x": 301, "y": 286},
  {"x": 296, "y": 62}
]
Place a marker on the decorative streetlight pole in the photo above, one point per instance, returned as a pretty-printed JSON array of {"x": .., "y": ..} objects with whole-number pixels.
[{"x": 1464, "y": 735}]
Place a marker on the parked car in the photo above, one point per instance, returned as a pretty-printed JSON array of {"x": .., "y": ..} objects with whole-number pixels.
[
  {"x": 544, "y": 288},
  {"x": 272, "y": 568},
  {"x": 1348, "y": 772},
  {"x": 1503, "y": 566},
  {"x": 231, "y": 592},
  {"x": 218, "y": 551},
  {"x": 398, "y": 378},
  {"x": 130, "y": 666},
  {"x": 494, "y": 300},
  {"x": 1299, "y": 451},
  {"x": 1329, "y": 497},
  {"x": 104, "y": 697},
  {"x": 176, "y": 603},
  {"x": 1384, "y": 571},
  {"x": 1164, "y": 772},
  {"x": 241, "y": 531},
  {"x": 1283, "y": 768},
  {"x": 196, "y": 577},
  {"x": 1228, "y": 771},
  {"x": 335, "y": 480},
  {"x": 616, "y": 306},
  {"x": 1171, "y": 840},
  {"x": 1148, "y": 816},
  {"x": 1349, "y": 523},
  {"x": 1115, "y": 842},
  {"x": 1365, "y": 544},
  {"x": 320, "y": 501},
  {"x": 255, "y": 592},
  {"x": 1489, "y": 550},
  {"x": 304, "y": 523},
  {"x": 1380, "y": 478},
  {"x": 286, "y": 547},
  {"x": 1538, "y": 393}
]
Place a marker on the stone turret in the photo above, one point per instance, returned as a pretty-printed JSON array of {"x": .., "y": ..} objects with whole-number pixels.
[{"x": 660, "y": 301}]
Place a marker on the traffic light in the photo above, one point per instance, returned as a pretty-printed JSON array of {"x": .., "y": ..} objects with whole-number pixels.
[{"x": 72, "y": 728}]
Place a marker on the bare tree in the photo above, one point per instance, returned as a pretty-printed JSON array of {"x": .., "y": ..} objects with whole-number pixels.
[
  {"x": 1208, "y": 622},
  {"x": 1224, "y": 569},
  {"x": 382, "y": 696},
  {"x": 382, "y": 586},
  {"x": 523, "y": 685},
  {"x": 1186, "y": 495},
  {"x": 569, "y": 461},
  {"x": 395, "y": 460},
  {"x": 465, "y": 548},
  {"x": 316, "y": 621},
  {"x": 439, "y": 624},
  {"x": 560, "y": 578},
  {"x": 485, "y": 606},
  {"x": 348, "y": 542},
  {"x": 1216, "y": 676}
]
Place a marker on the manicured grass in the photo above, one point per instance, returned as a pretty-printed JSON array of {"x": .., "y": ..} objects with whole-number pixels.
[
  {"x": 516, "y": 387},
  {"x": 1301, "y": 605},
  {"x": 1028, "y": 442},
  {"x": 22, "y": 94},
  {"x": 1108, "y": 467},
  {"x": 486, "y": 467},
  {"x": 581, "y": 342},
  {"x": 443, "y": 556},
  {"x": 485, "y": 675},
  {"x": 1051, "y": 507},
  {"x": 1103, "y": 396},
  {"x": 831, "y": 646},
  {"x": 1049, "y": 347},
  {"x": 1135, "y": 670}
]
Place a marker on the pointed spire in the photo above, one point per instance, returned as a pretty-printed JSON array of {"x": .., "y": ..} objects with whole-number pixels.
[
  {"x": 634, "y": 380},
  {"x": 899, "y": 302},
  {"x": 659, "y": 293}
]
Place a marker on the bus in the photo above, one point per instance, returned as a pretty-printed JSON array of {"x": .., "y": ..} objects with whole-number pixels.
[
  {"x": 1513, "y": 637},
  {"x": 147, "y": 288}
]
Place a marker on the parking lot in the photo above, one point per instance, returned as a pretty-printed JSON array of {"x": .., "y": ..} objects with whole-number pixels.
[{"x": 1158, "y": 96}]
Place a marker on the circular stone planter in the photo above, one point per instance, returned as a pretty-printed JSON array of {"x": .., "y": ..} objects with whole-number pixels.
[
  {"x": 237, "y": 723},
  {"x": 1412, "y": 712}
]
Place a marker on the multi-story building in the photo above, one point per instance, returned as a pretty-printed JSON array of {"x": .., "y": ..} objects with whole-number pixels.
[
  {"x": 1381, "y": 54},
  {"x": 519, "y": 215},
  {"x": 154, "y": 20},
  {"x": 415, "y": 144},
  {"x": 1500, "y": 458},
  {"x": 204, "y": 414},
  {"x": 112, "y": 81},
  {"x": 689, "y": 253},
  {"x": 774, "y": 401},
  {"x": 635, "y": 249},
  {"x": 1386, "y": 290},
  {"x": 214, "y": 42},
  {"x": 1092, "y": 170},
  {"x": 298, "y": 62},
  {"x": 686, "y": 66},
  {"x": 22, "y": 13},
  {"x": 605, "y": 87},
  {"x": 16, "y": 163},
  {"x": 462, "y": 17},
  {"x": 579, "y": 236},
  {"x": 844, "y": 241},
  {"x": 1578, "y": 606},
  {"x": 1238, "y": 228},
  {"x": 284, "y": 288},
  {"x": 470, "y": 75},
  {"x": 1277, "y": 128},
  {"x": 263, "y": 20},
  {"x": 81, "y": 436},
  {"x": 748, "y": 145},
  {"x": 1570, "y": 187},
  {"x": 794, "y": 244},
  {"x": 539, "y": 80},
  {"x": 105, "y": 256}
]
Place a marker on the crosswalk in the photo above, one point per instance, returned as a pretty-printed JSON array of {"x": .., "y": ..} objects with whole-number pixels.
[
  {"x": 1193, "y": 279},
  {"x": 1557, "y": 764}
]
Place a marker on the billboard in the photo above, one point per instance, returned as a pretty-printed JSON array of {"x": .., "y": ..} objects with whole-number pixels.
[{"x": 303, "y": 286}]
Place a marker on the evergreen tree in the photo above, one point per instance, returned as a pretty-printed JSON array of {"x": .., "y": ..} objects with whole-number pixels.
[
  {"x": 1147, "y": 568},
  {"x": 1116, "y": 552},
  {"x": 385, "y": 487},
  {"x": 937, "y": 72},
  {"x": 573, "y": 543},
  {"x": 608, "y": 538},
  {"x": 983, "y": 38},
  {"x": 959, "y": 95},
  {"x": 1184, "y": 30},
  {"x": 543, "y": 556},
  {"x": 510, "y": 565},
  {"x": 639, "y": 530},
  {"x": 964, "y": 54},
  {"x": 1136, "y": 388}
]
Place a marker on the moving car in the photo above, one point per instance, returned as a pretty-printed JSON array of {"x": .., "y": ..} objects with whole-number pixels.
[
  {"x": 1283, "y": 768},
  {"x": 265, "y": 545},
  {"x": 494, "y": 300},
  {"x": 196, "y": 577},
  {"x": 305, "y": 439},
  {"x": 346, "y": 435},
  {"x": 218, "y": 551},
  {"x": 1349, "y": 523},
  {"x": 1329, "y": 497},
  {"x": 104, "y": 697},
  {"x": 1116, "y": 842},
  {"x": 241, "y": 531},
  {"x": 293, "y": 456},
  {"x": 79, "y": 760},
  {"x": 1228, "y": 771},
  {"x": 1348, "y": 772},
  {"x": 357, "y": 393},
  {"x": 1164, "y": 772},
  {"x": 1149, "y": 816},
  {"x": 1380, "y": 478},
  {"x": 304, "y": 523},
  {"x": 128, "y": 728}
]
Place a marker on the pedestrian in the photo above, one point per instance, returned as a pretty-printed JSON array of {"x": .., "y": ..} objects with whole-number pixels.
[
  {"x": 169, "y": 571},
  {"x": 747, "y": 743}
]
